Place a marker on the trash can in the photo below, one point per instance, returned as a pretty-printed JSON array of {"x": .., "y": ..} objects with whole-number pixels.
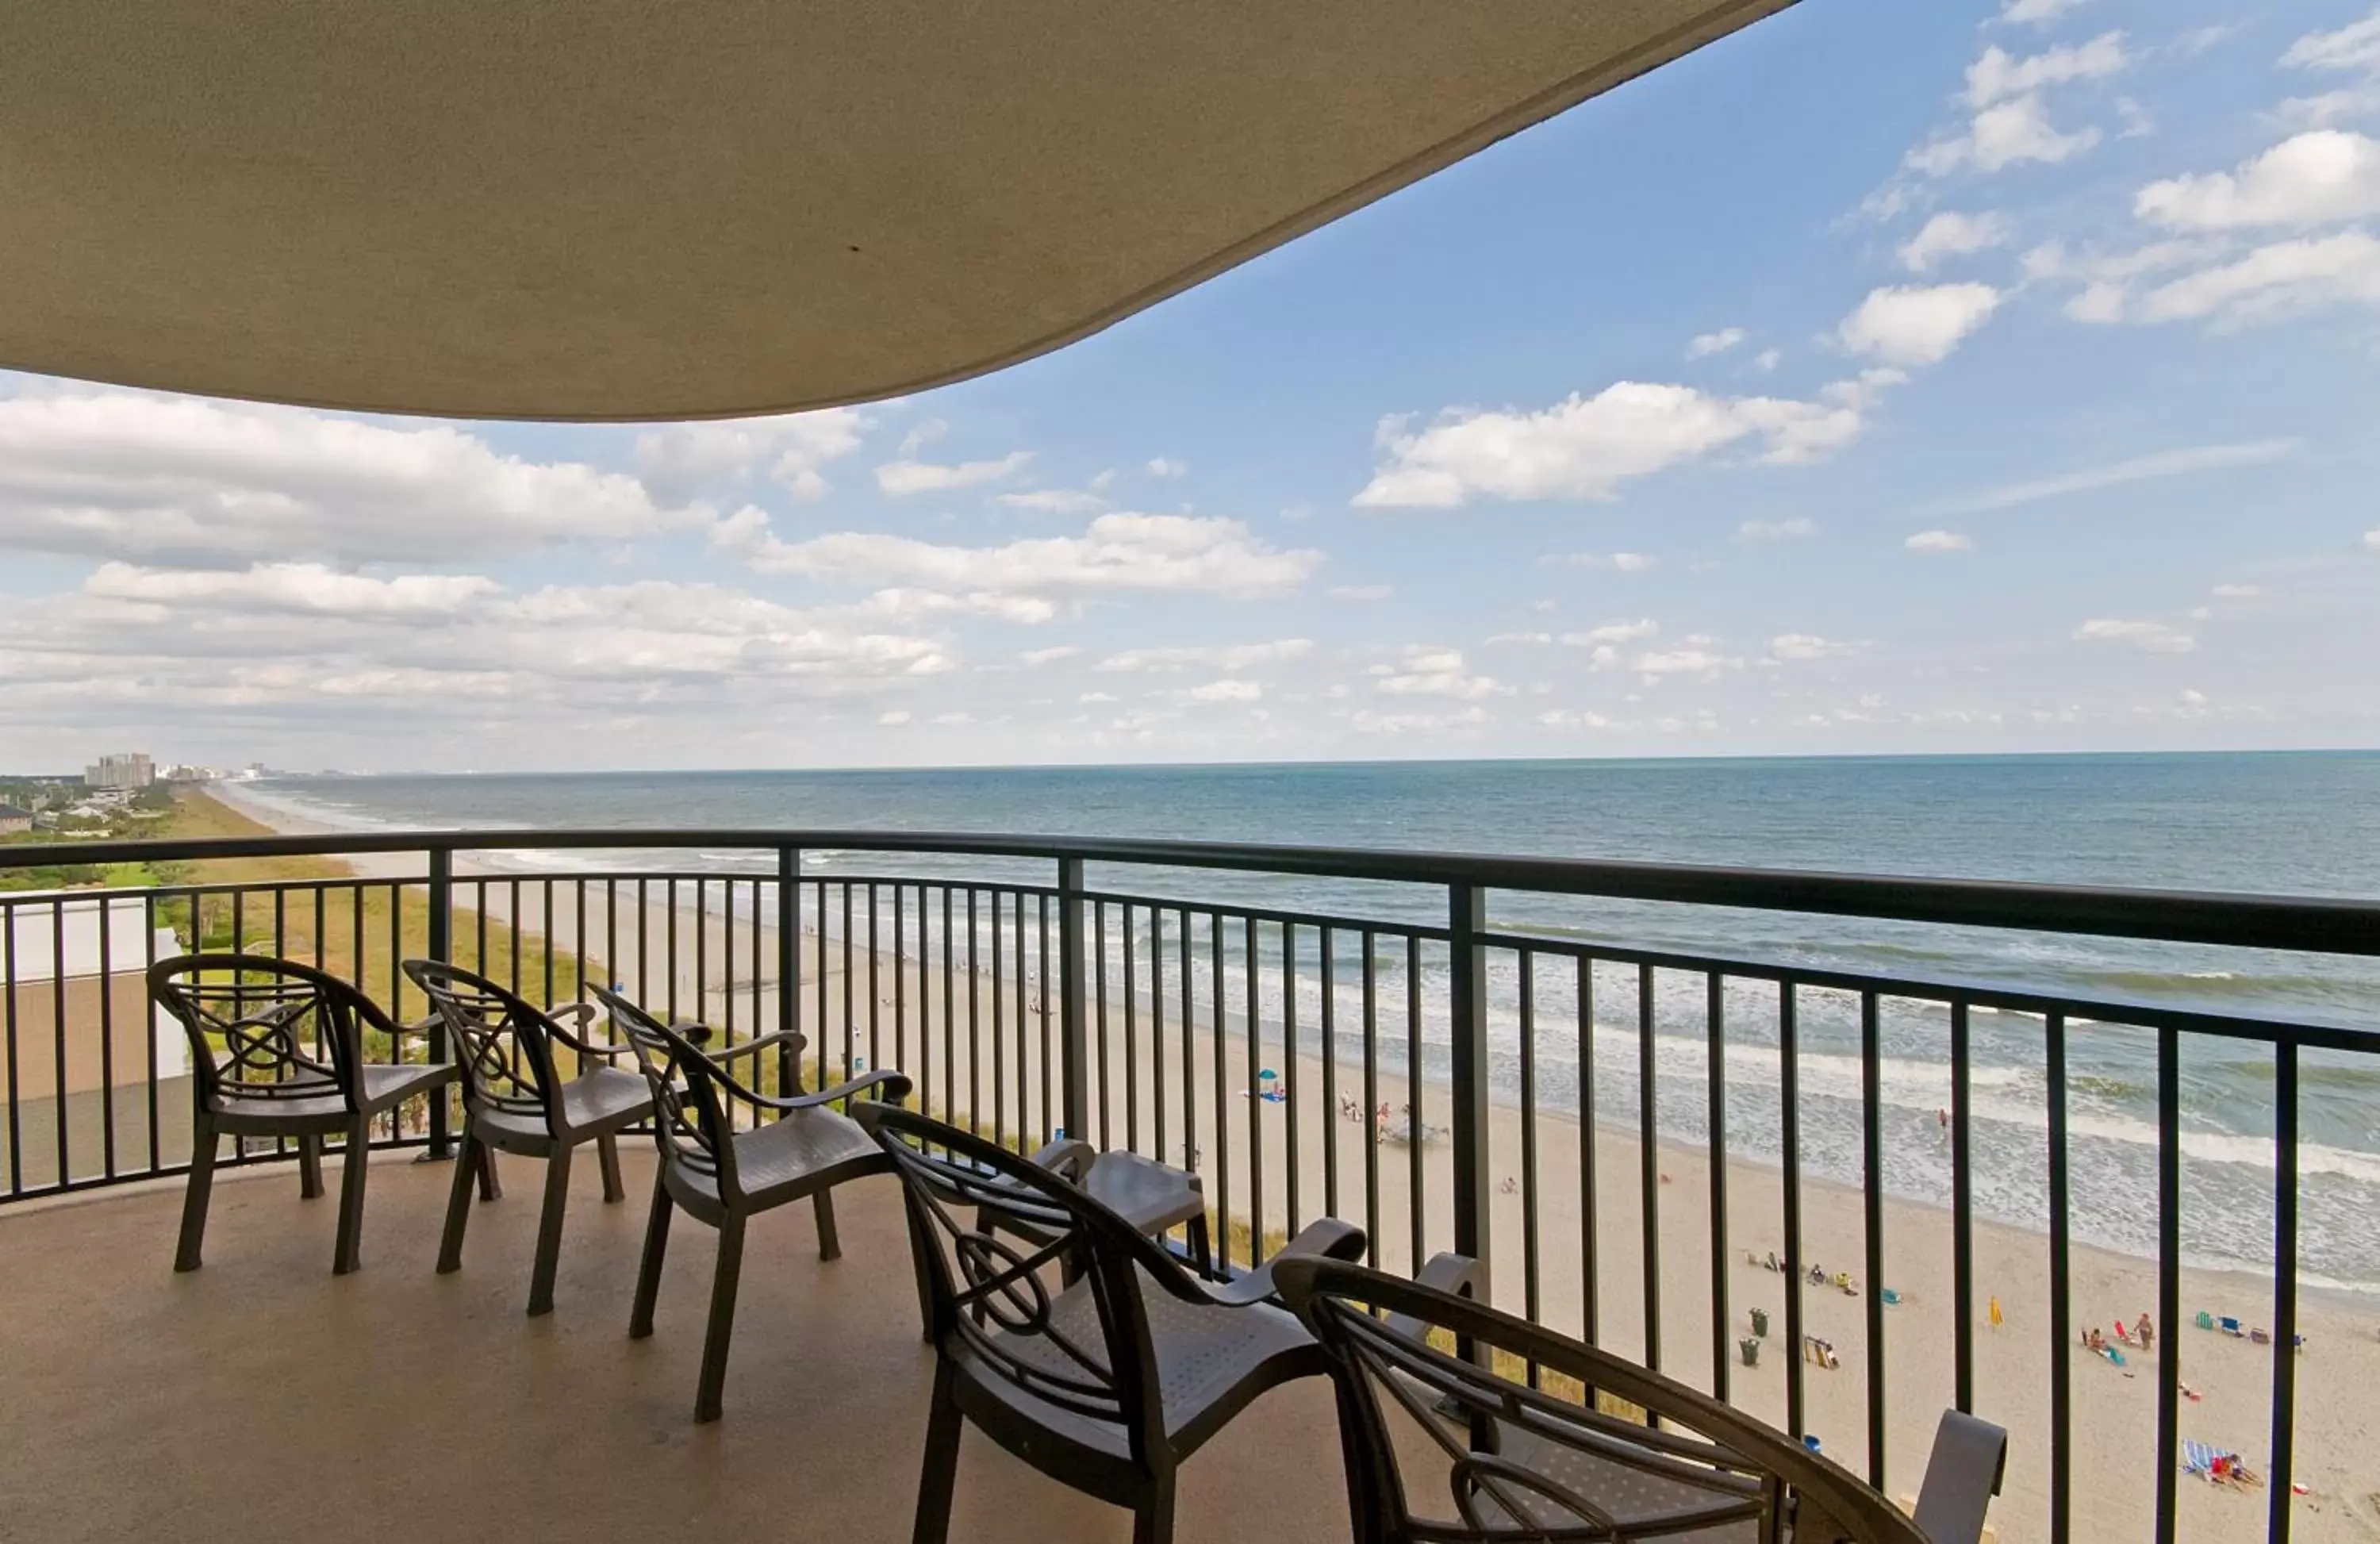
[
  {"x": 1760, "y": 1323},
  {"x": 1751, "y": 1349}
]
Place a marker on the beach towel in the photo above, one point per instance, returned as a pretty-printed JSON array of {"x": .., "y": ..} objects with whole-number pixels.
[{"x": 2197, "y": 1458}]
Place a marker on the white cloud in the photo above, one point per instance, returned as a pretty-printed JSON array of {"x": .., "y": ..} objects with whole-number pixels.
[
  {"x": 1365, "y": 722},
  {"x": 2003, "y": 135},
  {"x": 681, "y": 460},
  {"x": 1916, "y": 325},
  {"x": 1612, "y": 633},
  {"x": 1359, "y": 592},
  {"x": 1776, "y": 531},
  {"x": 2274, "y": 280},
  {"x": 296, "y": 587},
  {"x": 1940, "y": 541},
  {"x": 1049, "y": 656},
  {"x": 1704, "y": 344},
  {"x": 1436, "y": 672},
  {"x": 2236, "y": 592},
  {"x": 894, "y": 717},
  {"x": 2353, "y": 46},
  {"x": 1097, "y": 697},
  {"x": 1117, "y": 552},
  {"x": 901, "y": 478},
  {"x": 1997, "y": 75},
  {"x": 1055, "y": 501},
  {"x": 1229, "y": 658},
  {"x": 1160, "y": 466},
  {"x": 1809, "y": 646},
  {"x": 2316, "y": 179},
  {"x": 1619, "y": 563},
  {"x": 1584, "y": 447},
  {"x": 2153, "y": 638},
  {"x": 1767, "y": 359},
  {"x": 1952, "y": 233},
  {"x": 1693, "y": 659},
  {"x": 2140, "y": 469},
  {"x": 2371, "y": 541},
  {"x": 1529, "y": 639},
  {"x": 176, "y": 479},
  {"x": 1227, "y": 691},
  {"x": 1564, "y": 718},
  {"x": 2037, "y": 11}
]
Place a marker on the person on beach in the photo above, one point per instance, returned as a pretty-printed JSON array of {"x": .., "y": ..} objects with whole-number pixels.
[
  {"x": 1995, "y": 1310},
  {"x": 2144, "y": 1331}
]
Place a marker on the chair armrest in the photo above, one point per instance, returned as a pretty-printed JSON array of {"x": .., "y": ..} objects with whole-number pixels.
[
  {"x": 793, "y": 1037},
  {"x": 1070, "y": 1158},
  {"x": 585, "y": 1014},
  {"x": 895, "y": 1084},
  {"x": 1325, "y": 1238},
  {"x": 1444, "y": 1272}
]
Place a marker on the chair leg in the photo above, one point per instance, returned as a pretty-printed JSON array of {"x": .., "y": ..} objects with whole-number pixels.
[
  {"x": 459, "y": 1206},
  {"x": 549, "y": 1231},
  {"x": 607, "y": 1148},
  {"x": 310, "y": 1168},
  {"x": 1202, "y": 1247},
  {"x": 829, "y": 1242},
  {"x": 194, "y": 1199},
  {"x": 490, "y": 1188},
  {"x": 938, "y": 1476},
  {"x": 723, "y": 1317},
  {"x": 1152, "y": 1521},
  {"x": 348, "y": 1255},
  {"x": 649, "y": 1269}
]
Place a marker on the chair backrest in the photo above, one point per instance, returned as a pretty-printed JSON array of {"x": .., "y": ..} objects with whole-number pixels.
[
  {"x": 1963, "y": 1475},
  {"x": 263, "y": 1029},
  {"x": 503, "y": 1044},
  {"x": 990, "y": 1297},
  {"x": 1595, "y": 1447},
  {"x": 691, "y": 1123}
]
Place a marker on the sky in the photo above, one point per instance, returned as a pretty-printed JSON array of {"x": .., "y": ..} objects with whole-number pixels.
[{"x": 1997, "y": 375}]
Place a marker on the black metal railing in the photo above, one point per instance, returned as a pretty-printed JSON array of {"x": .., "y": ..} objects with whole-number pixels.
[{"x": 1505, "y": 1056}]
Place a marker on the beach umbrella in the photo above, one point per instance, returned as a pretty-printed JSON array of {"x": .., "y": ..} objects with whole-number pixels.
[{"x": 615, "y": 209}]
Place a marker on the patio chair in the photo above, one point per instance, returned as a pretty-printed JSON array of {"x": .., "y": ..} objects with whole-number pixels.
[
  {"x": 1108, "y": 1384},
  {"x": 1963, "y": 1475},
  {"x": 1154, "y": 1198},
  {"x": 276, "y": 1050},
  {"x": 520, "y": 1103},
  {"x": 1564, "y": 1460},
  {"x": 723, "y": 1176}
]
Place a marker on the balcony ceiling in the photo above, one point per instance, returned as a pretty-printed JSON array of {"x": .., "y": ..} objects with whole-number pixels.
[{"x": 631, "y": 209}]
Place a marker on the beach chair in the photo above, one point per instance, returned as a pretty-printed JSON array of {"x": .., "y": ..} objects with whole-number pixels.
[
  {"x": 516, "y": 1100},
  {"x": 2205, "y": 1320},
  {"x": 2230, "y": 1327},
  {"x": 1541, "y": 1463},
  {"x": 277, "y": 1049},
  {"x": 2197, "y": 1458}
]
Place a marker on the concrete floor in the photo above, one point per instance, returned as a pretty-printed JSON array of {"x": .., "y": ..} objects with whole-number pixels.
[{"x": 262, "y": 1399}]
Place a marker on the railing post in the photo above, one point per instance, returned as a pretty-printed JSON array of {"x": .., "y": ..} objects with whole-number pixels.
[
  {"x": 441, "y": 949},
  {"x": 1467, "y": 1031},
  {"x": 1073, "y": 1016},
  {"x": 789, "y": 964}
]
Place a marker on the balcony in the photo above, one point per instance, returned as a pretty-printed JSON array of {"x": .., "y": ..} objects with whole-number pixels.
[
  {"x": 1931, "y": 1159},
  {"x": 397, "y": 1398}
]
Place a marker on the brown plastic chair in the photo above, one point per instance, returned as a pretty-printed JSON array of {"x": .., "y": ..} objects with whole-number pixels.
[
  {"x": 722, "y": 1175},
  {"x": 1552, "y": 1462},
  {"x": 1107, "y": 1385},
  {"x": 276, "y": 1050},
  {"x": 1154, "y": 1198},
  {"x": 519, "y": 1102}
]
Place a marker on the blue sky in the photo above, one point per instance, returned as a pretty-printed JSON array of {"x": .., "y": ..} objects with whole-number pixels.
[{"x": 1889, "y": 377}]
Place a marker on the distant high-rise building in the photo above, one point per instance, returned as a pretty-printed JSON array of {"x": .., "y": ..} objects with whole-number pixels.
[{"x": 133, "y": 771}]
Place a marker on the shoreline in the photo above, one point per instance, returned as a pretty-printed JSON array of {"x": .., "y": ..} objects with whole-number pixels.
[{"x": 2114, "y": 1412}]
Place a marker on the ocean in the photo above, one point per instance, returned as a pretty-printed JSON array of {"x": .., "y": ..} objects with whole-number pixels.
[{"x": 2300, "y": 823}]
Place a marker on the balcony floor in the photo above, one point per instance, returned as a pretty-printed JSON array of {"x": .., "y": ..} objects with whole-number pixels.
[{"x": 261, "y": 1398}]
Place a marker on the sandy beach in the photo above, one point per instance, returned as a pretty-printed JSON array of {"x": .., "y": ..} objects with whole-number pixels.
[{"x": 2114, "y": 1464}]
